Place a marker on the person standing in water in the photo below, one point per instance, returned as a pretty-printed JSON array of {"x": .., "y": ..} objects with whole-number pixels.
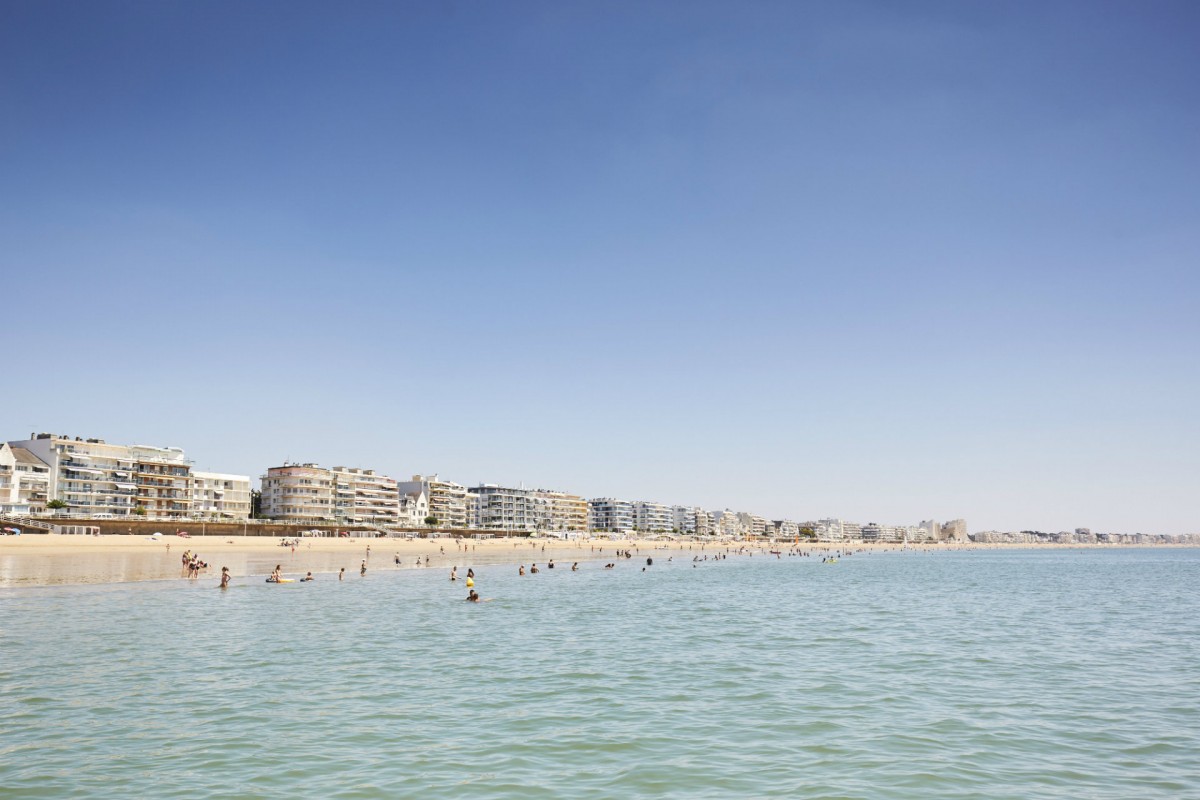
[
  {"x": 362, "y": 572},
  {"x": 342, "y": 574},
  {"x": 225, "y": 576},
  {"x": 454, "y": 573}
]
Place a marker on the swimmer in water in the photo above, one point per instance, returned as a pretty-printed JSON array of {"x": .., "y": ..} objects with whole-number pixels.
[
  {"x": 473, "y": 597},
  {"x": 306, "y": 578},
  {"x": 470, "y": 572},
  {"x": 454, "y": 573},
  {"x": 225, "y": 577},
  {"x": 575, "y": 567},
  {"x": 276, "y": 573},
  {"x": 534, "y": 569},
  {"x": 362, "y": 572},
  {"x": 521, "y": 571},
  {"x": 342, "y": 574}
]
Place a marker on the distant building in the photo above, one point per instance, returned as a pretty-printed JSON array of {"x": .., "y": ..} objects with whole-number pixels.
[
  {"x": 298, "y": 491},
  {"x": 363, "y": 496},
  {"x": 216, "y": 494},
  {"x": 607, "y": 514},
  {"x": 447, "y": 500},
  {"x": 652, "y": 517},
  {"x": 955, "y": 530}
]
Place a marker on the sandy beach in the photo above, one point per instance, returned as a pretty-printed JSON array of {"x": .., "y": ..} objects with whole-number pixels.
[
  {"x": 53, "y": 559},
  {"x": 48, "y": 559}
]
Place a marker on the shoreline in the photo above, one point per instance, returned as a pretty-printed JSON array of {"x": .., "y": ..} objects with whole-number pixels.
[{"x": 45, "y": 560}]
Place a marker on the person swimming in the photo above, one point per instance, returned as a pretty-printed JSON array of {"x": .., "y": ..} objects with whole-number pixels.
[
  {"x": 521, "y": 571},
  {"x": 306, "y": 578},
  {"x": 534, "y": 569},
  {"x": 473, "y": 597},
  {"x": 575, "y": 567}
]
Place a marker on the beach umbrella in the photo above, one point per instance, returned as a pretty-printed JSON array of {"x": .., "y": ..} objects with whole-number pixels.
[{"x": 157, "y": 533}]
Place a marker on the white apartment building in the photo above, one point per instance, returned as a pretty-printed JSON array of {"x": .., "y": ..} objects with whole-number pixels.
[
  {"x": 610, "y": 515},
  {"x": 684, "y": 519},
  {"x": 652, "y": 517},
  {"x": 298, "y": 491},
  {"x": 447, "y": 500},
  {"x": 509, "y": 509},
  {"x": 785, "y": 528},
  {"x": 99, "y": 479},
  {"x": 363, "y": 496},
  {"x": 215, "y": 494},
  {"x": 752, "y": 524},
  {"x": 24, "y": 481},
  {"x": 933, "y": 530},
  {"x": 726, "y": 524}
]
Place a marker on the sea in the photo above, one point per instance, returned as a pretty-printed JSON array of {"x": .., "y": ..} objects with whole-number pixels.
[{"x": 1038, "y": 673}]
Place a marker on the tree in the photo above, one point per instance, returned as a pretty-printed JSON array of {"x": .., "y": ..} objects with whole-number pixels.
[
  {"x": 255, "y": 504},
  {"x": 431, "y": 520},
  {"x": 140, "y": 511},
  {"x": 808, "y": 533},
  {"x": 56, "y": 504}
]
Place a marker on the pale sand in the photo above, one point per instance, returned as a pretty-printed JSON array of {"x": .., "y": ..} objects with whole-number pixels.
[{"x": 45, "y": 559}]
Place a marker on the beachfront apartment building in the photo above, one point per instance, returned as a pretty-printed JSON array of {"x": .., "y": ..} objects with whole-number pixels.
[
  {"x": 298, "y": 491},
  {"x": 521, "y": 509},
  {"x": 506, "y": 508},
  {"x": 652, "y": 517},
  {"x": 752, "y": 524},
  {"x": 364, "y": 496},
  {"x": 683, "y": 519},
  {"x": 24, "y": 482},
  {"x": 785, "y": 528},
  {"x": 726, "y": 524},
  {"x": 609, "y": 515},
  {"x": 220, "y": 495},
  {"x": 95, "y": 478},
  {"x": 447, "y": 500},
  {"x": 567, "y": 512}
]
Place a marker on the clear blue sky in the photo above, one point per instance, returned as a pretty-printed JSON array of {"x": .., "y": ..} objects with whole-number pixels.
[{"x": 883, "y": 261}]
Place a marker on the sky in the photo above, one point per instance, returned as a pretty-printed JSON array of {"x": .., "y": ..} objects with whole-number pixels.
[{"x": 879, "y": 261}]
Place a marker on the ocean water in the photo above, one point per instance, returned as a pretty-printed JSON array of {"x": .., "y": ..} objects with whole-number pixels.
[{"x": 979, "y": 674}]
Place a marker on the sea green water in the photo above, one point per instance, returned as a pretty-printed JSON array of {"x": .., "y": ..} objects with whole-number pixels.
[{"x": 985, "y": 674}]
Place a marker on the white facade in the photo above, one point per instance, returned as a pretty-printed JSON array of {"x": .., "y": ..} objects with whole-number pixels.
[
  {"x": 216, "y": 494},
  {"x": 726, "y": 524},
  {"x": 95, "y": 478},
  {"x": 24, "y": 481},
  {"x": 447, "y": 500},
  {"x": 363, "y": 496},
  {"x": 610, "y": 515},
  {"x": 298, "y": 491},
  {"x": 509, "y": 509},
  {"x": 652, "y": 517},
  {"x": 414, "y": 509}
]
